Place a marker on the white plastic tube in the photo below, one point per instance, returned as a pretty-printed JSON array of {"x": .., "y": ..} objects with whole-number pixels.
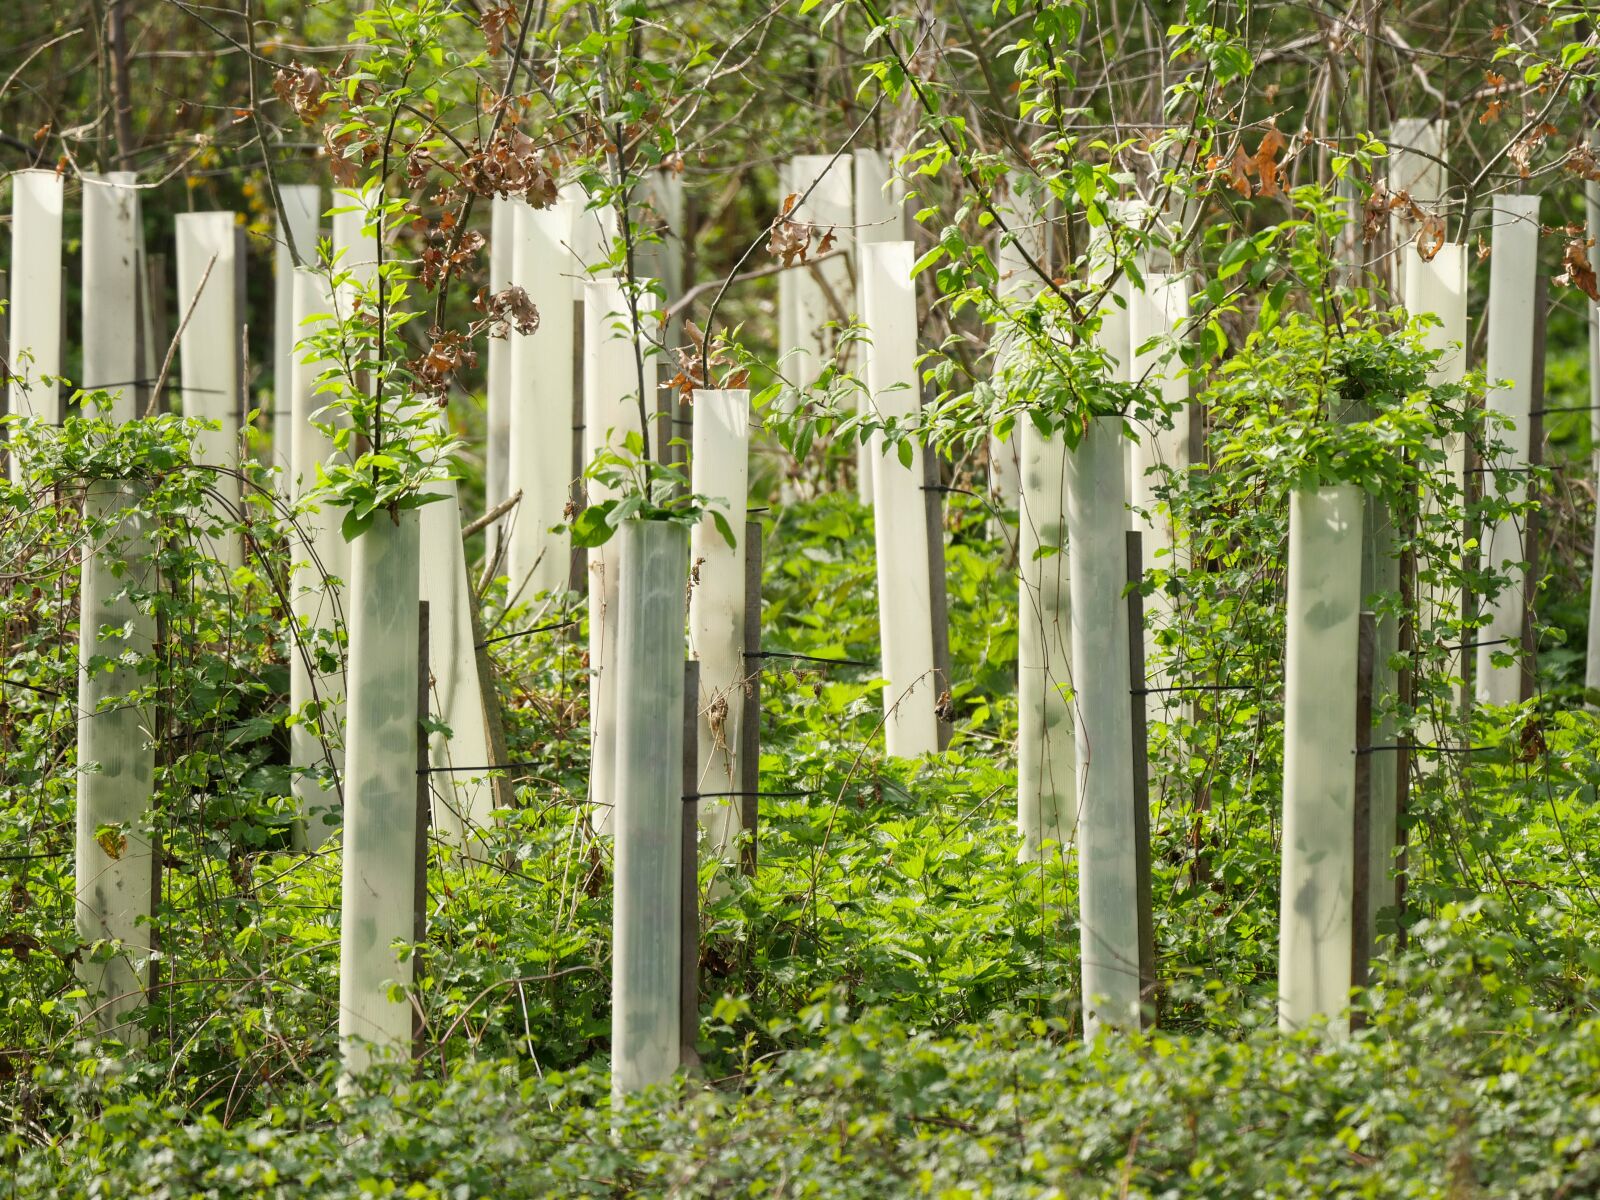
[
  {"x": 1416, "y": 167},
  {"x": 380, "y": 826},
  {"x": 1316, "y": 921},
  {"x": 116, "y": 761},
  {"x": 299, "y": 223},
  {"x": 591, "y": 239},
  {"x": 905, "y": 620},
  {"x": 1591, "y": 676},
  {"x": 1027, "y": 236},
  {"x": 1108, "y": 898},
  {"x": 541, "y": 389},
  {"x": 320, "y": 565},
  {"x": 355, "y": 242},
  {"x": 808, "y": 340},
  {"x": 497, "y": 453},
  {"x": 720, "y": 469},
  {"x": 1156, "y": 312},
  {"x": 115, "y": 748},
  {"x": 1513, "y": 266},
  {"x": 463, "y": 800},
  {"x": 1439, "y": 287},
  {"x": 34, "y": 344},
  {"x": 645, "y": 1001},
  {"x": 1046, "y": 768},
  {"x": 879, "y": 197},
  {"x": 209, "y": 352},
  {"x": 610, "y": 412},
  {"x": 111, "y": 349}
]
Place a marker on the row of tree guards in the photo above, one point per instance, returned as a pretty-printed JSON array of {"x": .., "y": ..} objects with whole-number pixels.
[{"x": 1090, "y": 521}]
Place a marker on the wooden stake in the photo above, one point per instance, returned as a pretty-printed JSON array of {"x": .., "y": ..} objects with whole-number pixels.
[
  {"x": 689, "y": 913},
  {"x": 1533, "y": 530},
  {"x": 1361, "y": 891},
  {"x": 419, "y": 892},
  {"x": 750, "y": 724},
  {"x": 1149, "y": 985},
  {"x": 938, "y": 599}
]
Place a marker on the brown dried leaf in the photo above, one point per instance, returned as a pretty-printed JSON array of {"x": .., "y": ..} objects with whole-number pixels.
[
  {"x": 1579, "y": 273},
  {"x": 494, "y": 23},
  {"x": 304, "y": 89}
]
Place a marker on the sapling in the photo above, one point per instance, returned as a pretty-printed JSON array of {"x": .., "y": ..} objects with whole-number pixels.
[
  {"x": 1513, "y": 266},
  {"x": 720, "y": 465},
  {"x": 541, "y": 388},
  {"x": 1316, "y": 922},
  {"x": 209, "y": 351},
  {"x": 34, "y": 342},
  {"x": 904, "y": 607}
]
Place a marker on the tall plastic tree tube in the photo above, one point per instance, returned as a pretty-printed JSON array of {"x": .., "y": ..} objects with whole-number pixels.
[
  {"x": 1438, "y": 287},
  {"x": 497, "y": 451},
  {"x": 299, "y": 225},
  {"x": 116, "y": 759},
  {"x": 380, "y": 820},
  {"x": 320, "y": 565},
  {"x": 610, "y": 413},
  {"x": 645, "y": 1000},
  {"x": 1028, "y": 237},
  {"x": 1046, "y": 768},
  {"x": 721, "y": 470},
  {"x": 463, "y": 801},
  {"x": 1418, "y": 168},
  {"x": 34, "y": 344},
  {"x": 879, "y": 199},
  {"x": 805, "y": 312},
  {"x": 905, "y": 620},
  {"x": 1108, "y": 900},
  {"x": 1513, "y": 266},
  {"x": 111, "y": 349},
  {"x": 209, "y": 353},
  {"x": 542, "y": 381},
  {"x": 1316, "y": 922}
]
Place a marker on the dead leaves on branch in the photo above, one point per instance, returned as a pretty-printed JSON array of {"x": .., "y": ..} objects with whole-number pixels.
[
  {"x": 1577, "y": 271},
  {"x": 1383, "y": 203},
  {"x": 449, "y": 351},
  {"x": 1258, "y": 174},
  {"x": 790, "y": 240},
  {"x": 494, "y": 22},
  {"x": 512, "y": 164},
  {"x": 695, "y": 363},
  {"x": 304, "y": 89},
  {"x": 507, "y": 310}
]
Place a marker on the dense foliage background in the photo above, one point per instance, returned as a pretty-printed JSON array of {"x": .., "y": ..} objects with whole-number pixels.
[{"x": 889, "y": 1003}]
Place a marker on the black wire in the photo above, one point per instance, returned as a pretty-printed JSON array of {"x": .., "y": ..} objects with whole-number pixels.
[
  {"x": 505, "y": 637},
  {"x": 839, "y": 662}
]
